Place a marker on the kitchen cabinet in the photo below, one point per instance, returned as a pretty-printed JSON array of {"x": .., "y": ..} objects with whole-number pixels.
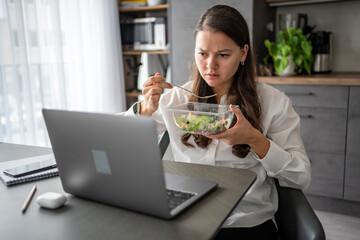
[
  {"x": 182, "y": 24},
  {"x": 352, "y": 167},
  {"x": 323, "y": 114},
  {"x": 329, "y": 108},
  {"x": 132, "y": 58}
]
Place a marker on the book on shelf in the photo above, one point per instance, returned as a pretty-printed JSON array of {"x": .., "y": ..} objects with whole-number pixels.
[
  {"x": 9, "y": 181},
  {"x": 132, "y": 3}
]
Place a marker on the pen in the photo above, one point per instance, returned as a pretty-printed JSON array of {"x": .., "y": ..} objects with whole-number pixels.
[{"x": 28, "y": 199}]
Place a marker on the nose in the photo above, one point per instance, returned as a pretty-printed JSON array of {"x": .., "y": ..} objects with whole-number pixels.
[{"x": 211, "y": 62}]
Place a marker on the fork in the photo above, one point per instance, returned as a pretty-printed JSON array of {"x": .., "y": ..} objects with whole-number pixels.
[{"x": 210, "y": 96}]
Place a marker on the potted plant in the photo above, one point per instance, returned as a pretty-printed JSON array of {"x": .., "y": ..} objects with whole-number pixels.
[{"x": 291, "y": 49}]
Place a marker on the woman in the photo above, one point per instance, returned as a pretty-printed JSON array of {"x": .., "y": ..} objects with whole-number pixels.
[{"x": 264, "y": 137}]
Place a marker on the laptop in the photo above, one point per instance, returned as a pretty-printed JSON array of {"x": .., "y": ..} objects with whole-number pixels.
[{"x": 116, "y": 160}]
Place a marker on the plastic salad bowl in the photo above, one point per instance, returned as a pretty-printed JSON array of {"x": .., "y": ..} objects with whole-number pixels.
[{"x": 202, "y": 118}]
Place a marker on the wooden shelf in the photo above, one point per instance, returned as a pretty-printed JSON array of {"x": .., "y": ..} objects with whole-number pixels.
[
  {"x": 149, "y": 52},
  {"x": 280, "y": 3},
  {"x": 133, "y": 94},
  {"x": 133, "y": 12},
  {"x": 160, "y": 7},
  {"x": 326, "y": 79}
]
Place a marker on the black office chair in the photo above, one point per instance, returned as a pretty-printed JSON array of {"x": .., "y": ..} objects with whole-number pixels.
[{"x": 295, "y": 218}]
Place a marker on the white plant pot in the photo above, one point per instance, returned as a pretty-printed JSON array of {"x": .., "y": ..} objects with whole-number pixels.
[{"x": 290, "y": 68}]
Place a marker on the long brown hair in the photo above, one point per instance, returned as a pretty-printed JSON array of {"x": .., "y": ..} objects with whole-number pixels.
[{"x": 222, "y": 18}]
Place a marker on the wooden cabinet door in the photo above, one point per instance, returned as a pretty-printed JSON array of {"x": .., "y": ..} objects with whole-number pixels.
[
  {"x": 352, "y": 166},
  {"x": 327, "y": 174},
  {"x": 323, "y": 129},
  {"x": 316, "y": 96}
]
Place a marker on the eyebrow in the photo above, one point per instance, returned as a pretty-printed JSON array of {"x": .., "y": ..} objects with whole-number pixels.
[{"x": 223, "y": 50}]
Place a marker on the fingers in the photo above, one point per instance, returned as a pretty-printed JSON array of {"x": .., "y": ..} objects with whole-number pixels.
[
  {"x": 155, "y": 82},
  {"x": 152, "y": 90},
  {"x": 235, "y": 110},
  {"x": 153, "y": 104},
  {"x": 154, "y": 79},
  {"x": 157, "y": 79},
  {"x": 154, "y": 85},
  {"x": 224, "y": 136},
  {"x": 154, "y": 99},
  {"x": 214, "y": 136}
]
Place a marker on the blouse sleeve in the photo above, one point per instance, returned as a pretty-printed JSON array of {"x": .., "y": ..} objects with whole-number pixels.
[
  {"x": 286, "y": 158},
  {"x": 159, "y": 120}
]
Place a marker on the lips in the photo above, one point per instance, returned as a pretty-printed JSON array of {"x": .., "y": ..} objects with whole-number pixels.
[{"x": 212, "y": 76}]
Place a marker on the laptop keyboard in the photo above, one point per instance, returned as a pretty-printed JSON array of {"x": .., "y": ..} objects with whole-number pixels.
[{"x": 176, "y": 197}]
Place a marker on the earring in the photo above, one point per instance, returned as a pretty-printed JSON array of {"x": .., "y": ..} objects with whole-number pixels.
[{"x": 242, "y": 63}]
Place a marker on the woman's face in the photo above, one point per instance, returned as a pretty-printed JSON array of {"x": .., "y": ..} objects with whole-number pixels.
[{"x": 218, "y": 57}]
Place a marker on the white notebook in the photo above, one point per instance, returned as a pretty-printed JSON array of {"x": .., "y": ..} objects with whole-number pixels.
[{"x": 8, "y": 181}]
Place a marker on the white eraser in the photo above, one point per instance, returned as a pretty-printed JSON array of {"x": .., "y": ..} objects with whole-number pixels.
[{"x": 51, "y": 200}]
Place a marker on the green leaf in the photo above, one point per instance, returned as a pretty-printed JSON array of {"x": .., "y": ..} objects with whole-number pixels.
[
  {"x": 298, "y": 59},
  {"x": 275, "y": 50},
  {"x": 293, "y": 43},
  {"x": 291, "y": 31},
  {"x": 299, "y": 32},
  {"x": 280, "y": 37},
  {"x": 307, "y": 65},
  {"x": 280, "y": 64},
  {"x": 265, "y": 59},
  {"x": 267, "y": 43},
  {"x": 285, "y": 50},
  {"x": 307, "y": 48},
  {"x": 302, "y": 38}
]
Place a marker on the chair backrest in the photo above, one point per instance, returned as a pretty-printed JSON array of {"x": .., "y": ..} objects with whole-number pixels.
[
  {"x": 163, "y": 143},
  {"x": 295, "y": 217}
]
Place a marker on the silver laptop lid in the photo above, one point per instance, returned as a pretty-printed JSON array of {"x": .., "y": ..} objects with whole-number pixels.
[{"x": 95, "y": 163}]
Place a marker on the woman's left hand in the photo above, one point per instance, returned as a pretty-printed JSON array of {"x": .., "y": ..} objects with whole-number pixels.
[
  {"x": 244, "y": 133},
  {"x": 241, "y": 133}
]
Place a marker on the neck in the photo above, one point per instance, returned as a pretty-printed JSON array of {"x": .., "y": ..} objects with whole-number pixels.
[
  {"x": 221, "y": 91},
  {"x": 218, "y": 98}
]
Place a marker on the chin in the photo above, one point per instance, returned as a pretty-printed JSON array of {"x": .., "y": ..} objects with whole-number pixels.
[{"x": 212, "y": 83}]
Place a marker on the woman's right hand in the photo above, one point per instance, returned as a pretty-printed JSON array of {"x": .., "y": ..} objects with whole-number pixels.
[{"x": 152, "y": 90}]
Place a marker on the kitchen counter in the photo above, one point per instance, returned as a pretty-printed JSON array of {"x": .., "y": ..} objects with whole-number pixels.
[{"x": 325, "y": 79}]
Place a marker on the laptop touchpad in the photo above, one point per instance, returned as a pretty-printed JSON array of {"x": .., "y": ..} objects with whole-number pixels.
[{"x": 173, "y": 180}]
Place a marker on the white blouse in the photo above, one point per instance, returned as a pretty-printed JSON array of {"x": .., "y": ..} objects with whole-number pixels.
[{"x": 285, "y": 160}]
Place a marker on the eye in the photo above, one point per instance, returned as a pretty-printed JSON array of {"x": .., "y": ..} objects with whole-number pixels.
[
  {"x": 202, "y": 54},
  {"x": 223, "y": 55}
]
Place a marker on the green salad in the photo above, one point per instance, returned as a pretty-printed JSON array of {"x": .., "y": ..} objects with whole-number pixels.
[{"x": 201, "y": 124}]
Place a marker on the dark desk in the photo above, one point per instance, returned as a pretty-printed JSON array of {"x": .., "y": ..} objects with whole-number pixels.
[{"x": 84, "y": 219}]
